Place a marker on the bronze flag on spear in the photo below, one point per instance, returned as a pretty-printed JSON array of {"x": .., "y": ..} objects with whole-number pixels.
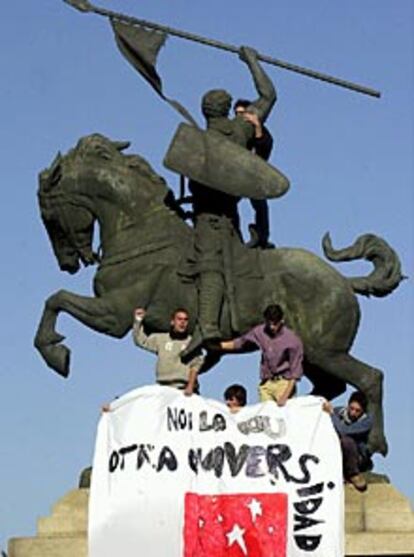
[{"x": 140, "y": 47}]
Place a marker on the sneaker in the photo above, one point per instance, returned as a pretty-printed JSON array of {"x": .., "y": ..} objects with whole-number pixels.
[{"x": 359, "y": 482}]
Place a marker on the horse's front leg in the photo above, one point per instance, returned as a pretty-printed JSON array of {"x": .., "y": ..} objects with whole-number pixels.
[{"x": 95, "y": 313}]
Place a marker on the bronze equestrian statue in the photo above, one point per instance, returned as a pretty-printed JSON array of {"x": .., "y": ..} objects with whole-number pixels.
[{"x": 145, "y": 243}]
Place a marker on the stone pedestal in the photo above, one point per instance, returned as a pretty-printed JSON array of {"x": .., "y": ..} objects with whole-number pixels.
[
  {"x": 379, "y": 522},
  {"x": 62, "y": 534}
]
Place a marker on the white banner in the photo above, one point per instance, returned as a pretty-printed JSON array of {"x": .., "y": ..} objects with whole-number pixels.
[{"x": 177, "y": 476}]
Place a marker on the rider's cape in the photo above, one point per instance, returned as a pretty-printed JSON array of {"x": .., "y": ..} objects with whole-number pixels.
[{"x": 207, "y": 157}]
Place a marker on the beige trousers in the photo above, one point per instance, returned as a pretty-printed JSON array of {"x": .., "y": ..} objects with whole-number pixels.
[{"x": 272, "y": 389}]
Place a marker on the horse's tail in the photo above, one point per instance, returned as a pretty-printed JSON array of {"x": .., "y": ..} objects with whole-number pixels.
[{"x": 386, "y": 275}]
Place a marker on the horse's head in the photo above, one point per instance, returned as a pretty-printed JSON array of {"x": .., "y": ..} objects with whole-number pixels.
[
  {"x": 95, "y": 180},
  {"x": 65, "y": 209}
]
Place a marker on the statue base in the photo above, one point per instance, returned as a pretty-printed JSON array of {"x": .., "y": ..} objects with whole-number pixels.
[
  {"x": 62, "y": 534},
  {"x": 378, "y": 523}
]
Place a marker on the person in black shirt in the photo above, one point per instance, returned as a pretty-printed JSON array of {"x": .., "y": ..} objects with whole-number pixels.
[{"x": 261, "y": 144}]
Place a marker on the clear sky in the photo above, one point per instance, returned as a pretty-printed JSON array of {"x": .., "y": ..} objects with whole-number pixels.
[{"x": 349, "y": 159}]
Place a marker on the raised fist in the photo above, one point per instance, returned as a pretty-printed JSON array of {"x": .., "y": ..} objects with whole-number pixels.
[{"x": 139, "y": 314}]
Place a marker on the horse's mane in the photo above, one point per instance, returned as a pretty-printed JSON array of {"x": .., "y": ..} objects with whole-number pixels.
[{"x": 98, "y": 146}]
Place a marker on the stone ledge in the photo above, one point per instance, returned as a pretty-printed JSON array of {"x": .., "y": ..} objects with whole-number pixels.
[
  {"x": 69, "y": 515},
  {"x": 382, "y": 508},
  {"x": 53, "y": 546},
  {"x": 379, "y": 544}
]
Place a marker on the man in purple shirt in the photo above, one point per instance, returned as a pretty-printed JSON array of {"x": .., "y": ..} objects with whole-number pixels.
[{"x": 282, "y": 355}]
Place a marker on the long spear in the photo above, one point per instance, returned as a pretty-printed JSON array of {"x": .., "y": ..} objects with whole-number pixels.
[{"x": 86, "y": 6}]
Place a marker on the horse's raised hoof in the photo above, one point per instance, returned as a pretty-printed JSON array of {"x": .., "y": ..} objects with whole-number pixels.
[
  {"x": 378, "y": 444},
  {"x": 57, "y": 357}
]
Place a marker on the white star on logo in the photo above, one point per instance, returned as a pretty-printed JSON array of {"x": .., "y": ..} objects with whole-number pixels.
[
  {"x": 236, "y": 535},
  {"x": 255, "y": 509}
]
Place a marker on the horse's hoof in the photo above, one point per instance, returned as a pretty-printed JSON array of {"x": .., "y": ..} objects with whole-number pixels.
[
  {"x": 57, "y": 357},
  {"x": 378, "y": 444}
]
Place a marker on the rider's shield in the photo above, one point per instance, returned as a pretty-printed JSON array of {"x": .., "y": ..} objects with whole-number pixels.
[{"x": 211, "y": 159}]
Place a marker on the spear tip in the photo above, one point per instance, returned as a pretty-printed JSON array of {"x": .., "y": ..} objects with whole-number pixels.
[{"x": 81, "y": 5}]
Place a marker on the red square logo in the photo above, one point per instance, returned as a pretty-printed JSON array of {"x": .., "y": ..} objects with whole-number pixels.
[{"x": 236, "y": 525}]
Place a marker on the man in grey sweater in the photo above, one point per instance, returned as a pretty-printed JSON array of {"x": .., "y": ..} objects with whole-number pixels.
[{"x": 169, "y": 346}]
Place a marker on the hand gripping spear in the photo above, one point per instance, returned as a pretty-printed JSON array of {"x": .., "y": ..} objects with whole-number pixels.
[{"x": 86, "y": 6}]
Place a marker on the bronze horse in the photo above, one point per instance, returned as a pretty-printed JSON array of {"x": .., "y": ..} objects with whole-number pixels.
[{"x": 144, "y": 243}]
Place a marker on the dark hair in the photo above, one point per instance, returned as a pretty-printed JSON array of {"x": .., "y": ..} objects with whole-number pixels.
[
  {"x": 244, "y": 103},
  {"x": 238, "y": 392},
  {"x": 179, "y": 310},
  {"x": 273, "y": 313},
  {"x": 360, "y": 398}
]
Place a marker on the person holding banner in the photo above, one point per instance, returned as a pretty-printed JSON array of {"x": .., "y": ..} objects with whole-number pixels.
[
  {"x": 170, "y": 370},
  {"x": 282, "y": 355},
  {"x": 353, "y": 424},
  {"x": 235, "y": 397}
]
